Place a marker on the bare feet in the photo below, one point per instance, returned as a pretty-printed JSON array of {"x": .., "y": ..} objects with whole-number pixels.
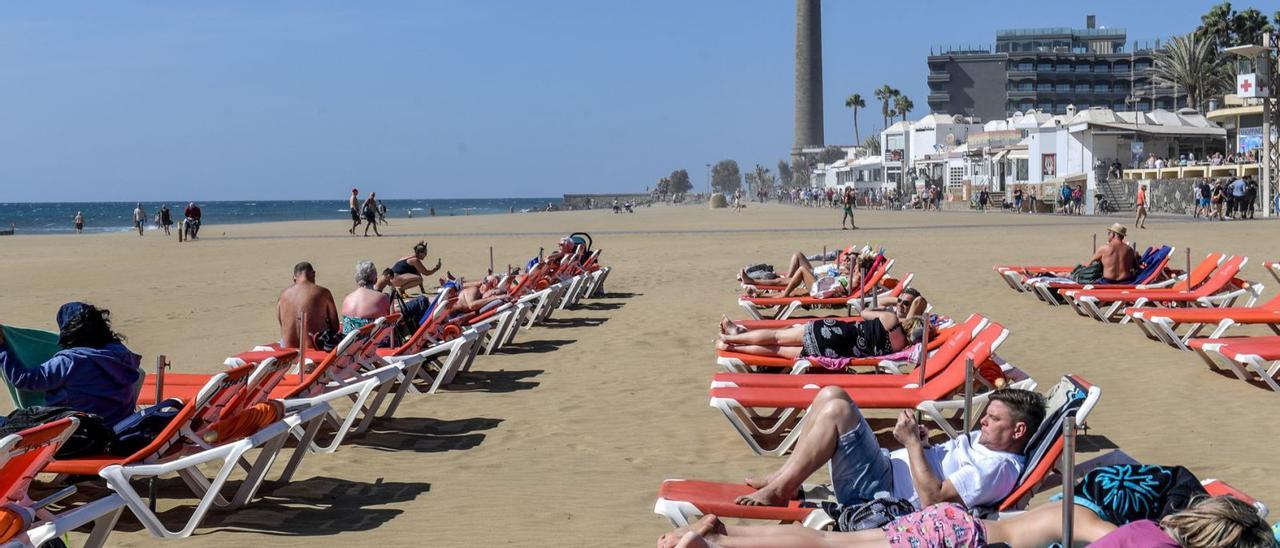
[
  {"x": 727, "y": 327},
  {"x": 693, "y": 540},
  {"x": 706, "y": 525},
  {"x": 760, "y": 482},
  {"x": 766, "y": 496}
]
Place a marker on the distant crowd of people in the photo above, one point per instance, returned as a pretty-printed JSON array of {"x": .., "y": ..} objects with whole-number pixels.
[{"x": 162, "y": 220}]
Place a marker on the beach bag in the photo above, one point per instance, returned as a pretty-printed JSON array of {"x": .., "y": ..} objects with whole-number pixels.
[
  {"x": 873, "y": 514},
  {"x": 92, "y": 437},
  {"x": 1087, "y": 274},
  {"x": 138, "y": 430}
]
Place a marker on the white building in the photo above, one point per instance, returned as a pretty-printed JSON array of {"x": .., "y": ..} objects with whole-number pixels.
[{"x": 906, "y": 143}]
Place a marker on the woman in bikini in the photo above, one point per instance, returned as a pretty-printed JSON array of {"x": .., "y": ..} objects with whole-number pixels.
[
  {"x": 803, "y": 277},
  {"x": 410, "y": 270},
  {"x": 881, "y": 332}
]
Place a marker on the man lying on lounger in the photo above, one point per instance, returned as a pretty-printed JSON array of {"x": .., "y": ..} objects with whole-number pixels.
[
  {"x": 974, "y": 470},
  {"x": 882, "y": 332}
]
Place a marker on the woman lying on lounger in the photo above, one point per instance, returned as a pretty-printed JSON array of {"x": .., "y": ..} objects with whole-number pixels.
[
  {"x": 825, "y": 281},
  {"x": 1209, "y": 522},
  {"x": 883, "y": 331},
  {"x": 764, "y": 274}
]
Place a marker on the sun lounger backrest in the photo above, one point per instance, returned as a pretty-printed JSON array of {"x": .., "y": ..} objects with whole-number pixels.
[
  {"x": 24, "y": 454},
  {"x": 172, "y": 434},
  {"x": 951, "y": 377},
  {"x": 1154, "y": 263},
  {"x": 1222, "y": 276},
  {"x": 265, "y": 377},
  {"x": 343, "y": 357},
  {"x": 1072, "y": 393},
  {"x": 957, "y": 341},
  {"x": 1201, "y": 272}
]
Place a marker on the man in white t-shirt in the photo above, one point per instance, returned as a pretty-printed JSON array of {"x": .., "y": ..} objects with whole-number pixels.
[{"x": 974, "y": 470}]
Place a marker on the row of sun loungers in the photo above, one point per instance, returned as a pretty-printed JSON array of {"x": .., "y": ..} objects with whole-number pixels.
[
  {"x": 1189, "y": 311},
  {"x": 768, "y": 411},
  {"x": 237, "y": 423}
]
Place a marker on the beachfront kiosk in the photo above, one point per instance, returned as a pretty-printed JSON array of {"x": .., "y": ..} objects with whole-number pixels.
[{"x": 1253, "y": 84}]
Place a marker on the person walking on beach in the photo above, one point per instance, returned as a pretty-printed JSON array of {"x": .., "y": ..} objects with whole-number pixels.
[
  {"x": 166, "y": 218},
  {"x": 79, "y": 222},
  {"x": 1017, "y": 199},
  {"x": 382, "y": 212},
  {"x": 354, "y": 203},
  {"x": 1141, "y": 201},
  {"x": 370, "y": 209},
  {"x": 139, "y": 218},
  {"x": 846, "y": 200}
]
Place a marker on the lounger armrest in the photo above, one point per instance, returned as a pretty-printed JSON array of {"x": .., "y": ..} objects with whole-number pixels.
[{"x": 1160, "y": 284}]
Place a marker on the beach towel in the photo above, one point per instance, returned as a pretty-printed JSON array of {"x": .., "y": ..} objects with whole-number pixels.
[
  {"x": 31, "y": 347},
  {"x": 1123, "y": 493}
]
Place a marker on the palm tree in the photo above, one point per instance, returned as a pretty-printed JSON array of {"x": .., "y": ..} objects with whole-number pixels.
[
  {"x": 855, "y": 102},
  {"x": 886, "y": 94},
  {"x": 902, "y": 105},
  {"x": 1192, "y": 63},
  {"x": 872, "y": 142}
]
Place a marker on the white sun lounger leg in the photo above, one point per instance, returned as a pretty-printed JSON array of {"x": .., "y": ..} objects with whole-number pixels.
[
  {"x": 741, "y": 420},
  {"x": 785, "y": 313},
  {"x": 103, "y": 513},
  {"x": 119, "y": 478},
  {"x": 1212, "y": 354},
  {"x": 1262, "y": 368},
  {"x": 751, "y": 309}
]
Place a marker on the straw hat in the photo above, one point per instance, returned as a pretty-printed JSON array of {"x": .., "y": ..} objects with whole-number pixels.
[{"x": 1118, "y": 229}]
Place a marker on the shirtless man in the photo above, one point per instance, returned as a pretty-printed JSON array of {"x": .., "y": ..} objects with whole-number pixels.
[
  {"x": 304, "y": 296},
  {"x": 1119, "y": 261},
  {"x": 354, "y": 203}
]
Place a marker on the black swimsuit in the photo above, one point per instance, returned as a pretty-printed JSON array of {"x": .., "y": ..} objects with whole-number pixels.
[
  {"x": 403, "y": 267},
  {"x": 839, "y": 339}
]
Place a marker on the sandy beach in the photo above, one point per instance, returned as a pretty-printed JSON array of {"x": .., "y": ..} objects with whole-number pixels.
[{"x": 564, "y": 438}]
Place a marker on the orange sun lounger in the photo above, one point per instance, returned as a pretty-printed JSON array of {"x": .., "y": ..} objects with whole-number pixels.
[
  {"x": 741, "y": 368},
  {"x": 1162, "y": 324},
  {"x": 1220, "y": 289},
  {"x": 785, "y": 306},
  {"x": 775, "y": 431},
  {"x": 683, "y": 501},
  {"x": 1246, "y": 357}
]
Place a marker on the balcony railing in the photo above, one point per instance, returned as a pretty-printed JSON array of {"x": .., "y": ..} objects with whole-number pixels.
[
  {"x": 939, "y": 77},
  {"x": 939, "y": 96}
]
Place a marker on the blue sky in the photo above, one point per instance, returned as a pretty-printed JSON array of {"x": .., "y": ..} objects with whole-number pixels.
[{"x": 450, "y": 99}]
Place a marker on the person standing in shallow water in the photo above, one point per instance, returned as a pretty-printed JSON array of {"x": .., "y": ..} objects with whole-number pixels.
[{"x": 79, "y": 222}]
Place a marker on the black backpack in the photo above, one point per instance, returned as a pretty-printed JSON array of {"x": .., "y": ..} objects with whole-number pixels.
[
  {"x": 92, "y": 437},
  {"x": 141, "y": 428}
]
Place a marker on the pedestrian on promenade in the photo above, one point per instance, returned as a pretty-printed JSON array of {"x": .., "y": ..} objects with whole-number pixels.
[
  {"x": 1141, "y": 201},
  {"x": 847, "y": 199}
]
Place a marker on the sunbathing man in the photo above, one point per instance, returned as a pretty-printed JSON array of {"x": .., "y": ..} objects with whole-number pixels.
[
  {"x": 1119, "y": 261},
  {"x": 410, "y": 270},
  {"x": 306, "y": 297},
  {"x": 974, "y": 470},
  {"x": 882, "y": 332}
]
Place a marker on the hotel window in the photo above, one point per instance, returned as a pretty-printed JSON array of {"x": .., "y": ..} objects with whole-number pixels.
[
  {"x": 1044, "y": 86},
  {"x": 1101, "y": 87},
  {"x": 1020, "y": 169},
  {"x": 1082, "y": 87},
  {"x": 1045, "y": 67},
  {"x": 955, "y": 177},
  {"x": 1064, "y": 87}
]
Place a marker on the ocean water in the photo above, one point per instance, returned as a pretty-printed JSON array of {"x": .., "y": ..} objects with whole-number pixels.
[{"x": 57, "y": 217}]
